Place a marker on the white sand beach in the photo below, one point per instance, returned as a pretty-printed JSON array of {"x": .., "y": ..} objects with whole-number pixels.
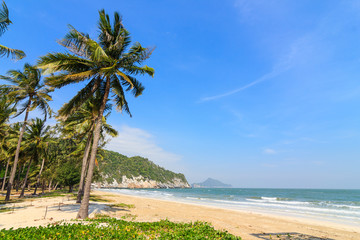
[{"x": 248, "y": 225}]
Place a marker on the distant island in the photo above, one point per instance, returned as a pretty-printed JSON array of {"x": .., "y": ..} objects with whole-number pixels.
[{"x": 211, "y": 183}]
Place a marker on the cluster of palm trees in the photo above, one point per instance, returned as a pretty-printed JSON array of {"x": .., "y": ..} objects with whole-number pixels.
[{"x": 108, "y": 66}]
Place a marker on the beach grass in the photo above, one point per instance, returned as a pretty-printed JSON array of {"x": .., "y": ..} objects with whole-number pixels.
[
  {"x": 121, "y": 205},
  {"x": 5, "y": 209},
  {"x": 98, "y": 198},
  {"x": 29, "y": 196},
  {"x": 111, "y": 228}
]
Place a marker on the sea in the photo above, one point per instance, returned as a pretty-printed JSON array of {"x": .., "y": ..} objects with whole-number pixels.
[{"x": 337, "y": 206}]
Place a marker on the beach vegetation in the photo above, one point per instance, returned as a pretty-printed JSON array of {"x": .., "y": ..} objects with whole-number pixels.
[
  {"x": 5, "y": 209},
  {"x": 97, "y": 198},
  {"x": 25, "y": 87},
  {"x": 121, "y": 205},
  {"x": 111, "y": 228},
  {"x": 7, "y": 137},
  {"x": 80, "y": 125},
  {"x": 69, "y": 173},
  {"x": 36, "y": 141}
]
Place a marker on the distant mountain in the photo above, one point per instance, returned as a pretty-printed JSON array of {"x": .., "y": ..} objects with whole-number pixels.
[{"x": 211, "y": 183}]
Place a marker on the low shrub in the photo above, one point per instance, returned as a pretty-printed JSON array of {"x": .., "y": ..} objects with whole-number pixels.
[{"x": 111, "y": 228}]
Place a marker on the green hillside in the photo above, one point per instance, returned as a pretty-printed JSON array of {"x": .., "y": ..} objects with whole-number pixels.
[{"x": 115, "y": 165}]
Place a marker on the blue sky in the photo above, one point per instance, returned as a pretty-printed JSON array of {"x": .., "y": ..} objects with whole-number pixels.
[{"x": 254, "y": 93}]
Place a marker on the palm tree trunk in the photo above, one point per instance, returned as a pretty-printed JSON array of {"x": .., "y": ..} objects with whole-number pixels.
[
  {"x": 25, "y": 181},
  {"x": 84, "y": 207},
  {"x": 5, "y": 175},
  {"x": 38, "y": 176},
  {"x": 50, "y": 185},
  {"x": 43, "y": 187},
  {"x": 17, "y": 184},
  {"x": 13, "y": 170},
  {"x": 83, "y": 169}
]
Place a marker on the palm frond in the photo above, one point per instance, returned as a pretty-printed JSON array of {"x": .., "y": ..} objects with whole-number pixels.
[
  {"x": 61, "y": 80},
  {"x": 109, "y": 130},
  {"x": 83, "y": 43},
  {"x": 119, "y": 96},
  {"x": 24, "y": 106},
  {"x": 140, "y": 70},
  {"x": 4, "y": 18},
  {"x": 55, "y": 62},
  {"x": 76, "y": 42},
  {"x": 138, "y": 87},
  {"x": 136, "y": 55},
  {"x": 42, "y": 104},
  {"x": 80, "y": 98},
  {"x": 15, "y": 54}
]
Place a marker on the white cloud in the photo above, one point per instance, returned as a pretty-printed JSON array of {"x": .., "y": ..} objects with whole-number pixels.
[
  {"x": 269, "y": 151},
  {"x": 138, "y": 142}
]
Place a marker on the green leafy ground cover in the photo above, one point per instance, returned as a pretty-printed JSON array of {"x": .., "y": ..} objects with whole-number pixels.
[{"x": 111, "y": 228}]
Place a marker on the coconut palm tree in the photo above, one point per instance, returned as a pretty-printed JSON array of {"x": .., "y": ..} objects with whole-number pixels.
[
  {"x": 109, "y": 66},
  {"x": 7, "y": 108},
  {"x": 4, "y": 23},
  {"x": 38, "y": 138},
  {"x": 8, "y": 147},
  {"x": 31, "y": 158},
  {"x": 82, "y": 122},
  {"x": 26, "y": 87}
]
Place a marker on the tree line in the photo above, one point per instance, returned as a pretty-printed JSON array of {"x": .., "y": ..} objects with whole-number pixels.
[{"x": 67, "y": 153}]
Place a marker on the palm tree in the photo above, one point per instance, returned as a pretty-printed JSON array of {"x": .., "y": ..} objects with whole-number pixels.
[
  {"x": 108, "y": 65},
  {"x": 25, "y": 87},
  {"x": 8, "y": 147},
  {"x": 7, "y": 109},
  {"x": 38, "y": 139},
  {"x": 32, "y": 157},
  {"x": 82, "y": 122},
  {"x": 4, "y": 23}
]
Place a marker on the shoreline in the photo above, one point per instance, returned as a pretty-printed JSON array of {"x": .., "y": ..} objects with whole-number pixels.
[
  {"x": 237, "y": 222},
  {"x": 316, "y": 219},
  {"x": 246, "y": 224}
]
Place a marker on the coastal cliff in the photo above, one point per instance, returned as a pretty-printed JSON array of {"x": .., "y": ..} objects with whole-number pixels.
[
  {"x": 119, "y": 171},
  {"x": 141, "y": 182}
]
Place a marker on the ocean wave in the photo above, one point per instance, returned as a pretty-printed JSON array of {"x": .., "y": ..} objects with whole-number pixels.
[
  {"x": 344, "y": 206},
  {"x": 277, "y": 200},
  {"x": 305, "y": 208}
]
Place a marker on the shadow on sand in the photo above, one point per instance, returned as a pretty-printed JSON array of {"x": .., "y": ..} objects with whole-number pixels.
[
  {"x": 93, "y": 208},
  {"x": 288, "y": 235}
]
